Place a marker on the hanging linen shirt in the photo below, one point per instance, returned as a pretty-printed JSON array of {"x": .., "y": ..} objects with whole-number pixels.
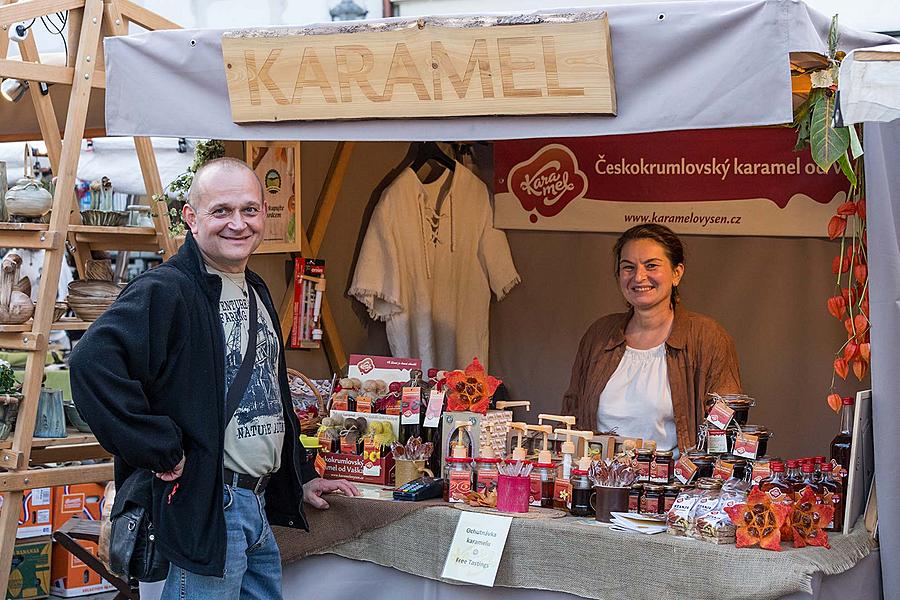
[
  {"x": 637, "y": 400},
  {"x": 428, "y": 264}
]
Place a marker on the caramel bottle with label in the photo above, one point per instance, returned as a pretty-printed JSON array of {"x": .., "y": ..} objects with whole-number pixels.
[
  {"x": 832, "y": 490},
  {"x": 776, "y": 486},
  {"x": 809, "y": 481}
]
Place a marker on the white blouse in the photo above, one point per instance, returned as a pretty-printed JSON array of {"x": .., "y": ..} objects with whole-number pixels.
[{"x": 637, "y": 400}]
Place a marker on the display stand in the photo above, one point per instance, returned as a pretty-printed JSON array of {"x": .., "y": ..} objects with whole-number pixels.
[{"x": 89, "y": 21}]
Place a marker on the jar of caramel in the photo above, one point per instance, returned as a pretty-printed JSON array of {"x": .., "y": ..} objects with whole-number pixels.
[
  {"x": 643, "y": 458},
  {"x": 634, "y": 497},
  {"x": 665, "y": 467},
  {"x": 670, "y": 494},
  {"x": 653, "y": 500}
]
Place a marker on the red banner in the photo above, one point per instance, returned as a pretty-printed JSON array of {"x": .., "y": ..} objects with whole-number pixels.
[{"x": 716, "y": 181}]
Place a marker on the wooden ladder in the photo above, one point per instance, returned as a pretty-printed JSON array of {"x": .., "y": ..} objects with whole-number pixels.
[{"x": 89, "y": 21}]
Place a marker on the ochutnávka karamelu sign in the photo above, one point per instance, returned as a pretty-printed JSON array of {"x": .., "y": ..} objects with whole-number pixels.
[{"x": 559, "y": 63}]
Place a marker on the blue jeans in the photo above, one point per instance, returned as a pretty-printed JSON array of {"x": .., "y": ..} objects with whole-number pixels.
[{"x": 252, "y": 560}]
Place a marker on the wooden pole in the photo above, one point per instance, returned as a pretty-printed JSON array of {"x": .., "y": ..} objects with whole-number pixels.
[{"x": 43, "y": 316}]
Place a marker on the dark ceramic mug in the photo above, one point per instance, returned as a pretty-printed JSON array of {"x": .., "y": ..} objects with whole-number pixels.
[{"x": 606, "y": 500}]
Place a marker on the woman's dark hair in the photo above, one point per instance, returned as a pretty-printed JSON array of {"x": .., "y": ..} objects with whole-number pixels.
[{"x": 660, "y": 234}]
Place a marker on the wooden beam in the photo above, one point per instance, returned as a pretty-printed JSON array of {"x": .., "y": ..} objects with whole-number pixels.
[
  {"x": 16, "y": 69},
  {"x": 31, "y": 9},
  {"x": 18, "y": 480},
  {"x": 54, "y": 454},
  {"x": 24, "y": 340},
  {"x": 93, "y": 132},
  {"x": 43, "y": 106},
  {"x": 62, "y": 204},
  {"x": 9, "y": 522},
  {"x": 145, "y": 18},
  {"x": 331, "y": 189},
  {"x": 4, "y": 34},
  {"x": 869, "y": 55}
]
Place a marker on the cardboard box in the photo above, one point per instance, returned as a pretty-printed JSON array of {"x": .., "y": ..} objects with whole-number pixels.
[
  {"x": 356, "y": 468},
  {"x": 84, "y": 501},
  {"x": 34, "y": 513},
  {"x": 70, "y": 577},
  {"x": 30, "y": 573}
]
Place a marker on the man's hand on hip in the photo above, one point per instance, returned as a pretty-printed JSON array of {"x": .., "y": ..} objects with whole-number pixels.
[
  {"x": 315, "y": 488},
  {"x": 174, "y": 473}
]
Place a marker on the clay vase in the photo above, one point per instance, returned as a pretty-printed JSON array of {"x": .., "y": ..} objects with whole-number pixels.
[
  {"x": 28, "y": 199},
  {"x": 15, "y": 306},
  {"x": 51, "y": 416}
]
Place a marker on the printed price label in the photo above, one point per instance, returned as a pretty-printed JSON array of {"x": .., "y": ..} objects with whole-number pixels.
[
  {"x": 746, "y": 445},
  {"x": 433, "y": 412},
  {"x": 723, "y": 470},
  {"x": 685, "y": 469},
  {"x": 720, "y": 415},
  {"x": 717, "y": 441},
  {"x": 410, "y": 405},
  {"x": 760, "y": 471}
]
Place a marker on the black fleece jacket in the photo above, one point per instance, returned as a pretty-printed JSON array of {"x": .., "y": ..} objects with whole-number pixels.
[{"x": 149, "y": 378}]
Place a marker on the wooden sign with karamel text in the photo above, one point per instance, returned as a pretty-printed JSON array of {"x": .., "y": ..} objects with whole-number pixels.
[{"x": 427, "y": 68}]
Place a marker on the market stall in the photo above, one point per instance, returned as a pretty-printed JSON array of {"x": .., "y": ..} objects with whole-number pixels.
[{"x": 737, "y": 77}]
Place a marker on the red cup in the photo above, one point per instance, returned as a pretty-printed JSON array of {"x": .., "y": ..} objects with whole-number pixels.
[{"x": 513, "y": 493}]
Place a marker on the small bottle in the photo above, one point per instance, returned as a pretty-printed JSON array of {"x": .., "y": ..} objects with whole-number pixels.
[
  {"x": 643, "y": 458},
  {"x": 562, "y": 490},
  {"x": 793, "y": 474},
  {"x": 832, "y": 490},
  {"x": 777, "y": 486},
  {"x": 411, "y": 407},
  {"x": 817, "y": 463},
  {"x": 809, "y": 481}
]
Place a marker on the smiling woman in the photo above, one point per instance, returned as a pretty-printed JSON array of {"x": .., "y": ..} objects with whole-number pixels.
[{"x": 646, "y": 373}]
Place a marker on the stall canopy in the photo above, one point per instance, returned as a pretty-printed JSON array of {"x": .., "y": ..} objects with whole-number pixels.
[
  {"x": 685, "y": 65},
  {"x": 678, "y": 66},
  {"x": 870, "y": 85}
]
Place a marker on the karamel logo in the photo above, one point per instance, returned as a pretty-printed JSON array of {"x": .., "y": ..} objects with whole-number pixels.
[
  {"x": 366, "y": 366},
  {"x": 273, "y": 181},
  {"x": 548, "y": 181}
]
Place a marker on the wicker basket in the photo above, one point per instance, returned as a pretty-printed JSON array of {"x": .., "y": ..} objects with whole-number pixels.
[{"x": 309, "y": 425}]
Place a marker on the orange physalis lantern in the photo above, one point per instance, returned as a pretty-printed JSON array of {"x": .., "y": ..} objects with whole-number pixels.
[
  {"x": 470, "y": 389},
  {"x": 809, "y": 520},
  {"x": 758, "y": 521}
]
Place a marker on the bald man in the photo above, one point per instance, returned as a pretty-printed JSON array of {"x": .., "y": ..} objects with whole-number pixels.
[{"x": 184, "y": 381}]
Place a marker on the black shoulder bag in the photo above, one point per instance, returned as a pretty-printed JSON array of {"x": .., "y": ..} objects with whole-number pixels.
[{"x": 132, "y": 540}]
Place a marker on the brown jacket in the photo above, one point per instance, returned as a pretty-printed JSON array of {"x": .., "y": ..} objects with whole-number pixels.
[{"x": 700, "y": 358}]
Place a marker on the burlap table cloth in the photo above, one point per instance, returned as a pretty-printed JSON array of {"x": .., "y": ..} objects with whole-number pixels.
[{"x": 570, "y": 555}]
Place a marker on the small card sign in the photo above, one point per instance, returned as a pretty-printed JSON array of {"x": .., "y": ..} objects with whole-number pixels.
[
  {"x": 720, "y": 415},
  {"x": 746, "y": 445},
  {"x": 411, "y": 404},
  {"x": 433, "y": 412},
  {"x": 477, "y": 546},
  {"x": 685, "y": 469}
]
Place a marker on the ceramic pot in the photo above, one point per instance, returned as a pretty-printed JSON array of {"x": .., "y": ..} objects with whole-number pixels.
[
  {"x": 9, "y": 408},
  {"x": 607, "y": 500},
  {"x": 15, "y": 306},
  {"x": 28, "y": 199},
  {"x": 51, "y": 417}
]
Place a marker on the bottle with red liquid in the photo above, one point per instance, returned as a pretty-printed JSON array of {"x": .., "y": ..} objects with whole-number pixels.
[
  {"x": 817, "y": 462},
  {"x": 831, "y": 490},
  {"x": 840, "y": 445},
  {"x": 777, "y": 486},
  {"x": 793, "y": 474},
  {"x": 809, "y": 481}
]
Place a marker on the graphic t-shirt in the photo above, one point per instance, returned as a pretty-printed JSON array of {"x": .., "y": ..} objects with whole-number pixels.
[{"x": 255, "y": 434}]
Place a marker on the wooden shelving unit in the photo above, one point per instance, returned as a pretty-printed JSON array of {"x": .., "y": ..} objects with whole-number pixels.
[{"x": 89, "y": 22}]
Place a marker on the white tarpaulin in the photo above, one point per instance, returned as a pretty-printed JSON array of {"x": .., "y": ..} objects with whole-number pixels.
[
  {"x": 870, "y": 85},
  {"x": 680, "y": 65}
]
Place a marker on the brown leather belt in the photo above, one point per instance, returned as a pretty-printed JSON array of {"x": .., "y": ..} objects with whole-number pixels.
[{"x": 257, "y": 485}]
